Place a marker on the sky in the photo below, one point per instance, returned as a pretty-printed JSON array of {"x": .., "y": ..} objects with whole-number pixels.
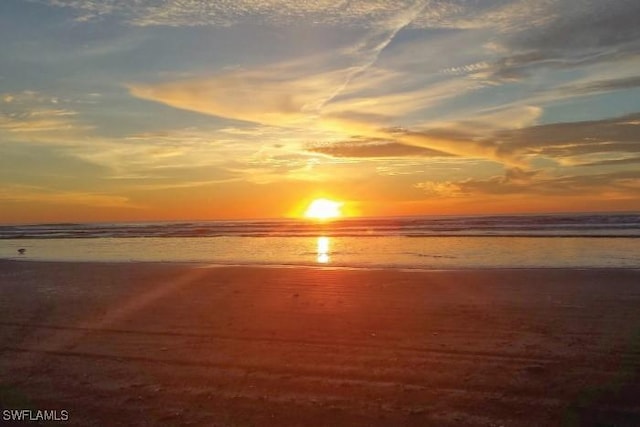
[{"x": 119, "y": 110}]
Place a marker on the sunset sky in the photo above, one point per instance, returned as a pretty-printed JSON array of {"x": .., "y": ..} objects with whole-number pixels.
[{"x": 193, "y": 109}]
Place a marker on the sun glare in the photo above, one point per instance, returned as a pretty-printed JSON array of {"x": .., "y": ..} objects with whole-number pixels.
[
  {"x": 323, "y": 250},
  {"x": 323, "y": 209}
]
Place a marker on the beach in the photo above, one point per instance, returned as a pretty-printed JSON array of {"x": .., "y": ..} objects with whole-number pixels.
[{"x": 194, "y": 344}]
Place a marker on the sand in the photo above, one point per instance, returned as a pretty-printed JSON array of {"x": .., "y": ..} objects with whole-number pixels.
[{"x": 163, "y": 344}]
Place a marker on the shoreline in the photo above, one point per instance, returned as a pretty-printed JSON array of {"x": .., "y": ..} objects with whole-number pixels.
[
  {"x": 162, "y": 343},
  {"x": 423, "y": 253},
  {"x": 203, "y": 264}
]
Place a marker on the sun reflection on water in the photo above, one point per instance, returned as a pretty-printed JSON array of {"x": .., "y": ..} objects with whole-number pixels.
[{"x": 323, "y": 250}]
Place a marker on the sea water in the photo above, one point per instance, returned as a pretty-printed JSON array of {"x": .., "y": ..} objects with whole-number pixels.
[{"x": 448, "y": 242}]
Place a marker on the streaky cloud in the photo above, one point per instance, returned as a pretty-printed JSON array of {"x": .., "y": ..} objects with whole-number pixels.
[
  {"x": 615, "y": 162},
  {"x": 41, "y": 194},
  {"x": 373, "y": 148},
  {"x": 621, "y": 185},
  {"x": 602, "y": 85},
  {"x": 174, "y": 13},
  {"x": 570, "y": 138}
]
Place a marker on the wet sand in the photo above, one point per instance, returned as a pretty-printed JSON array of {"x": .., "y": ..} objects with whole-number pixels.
[{"x": 163, "y": 344}]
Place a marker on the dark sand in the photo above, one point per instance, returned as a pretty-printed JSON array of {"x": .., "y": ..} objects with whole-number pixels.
[{"x": 161, "y": 344}]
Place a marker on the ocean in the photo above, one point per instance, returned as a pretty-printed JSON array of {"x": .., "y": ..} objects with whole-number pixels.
[{"x": 444, "y": 242}]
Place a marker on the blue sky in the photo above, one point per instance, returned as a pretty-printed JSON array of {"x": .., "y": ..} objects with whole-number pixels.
[{"x": 118, "y": 110}]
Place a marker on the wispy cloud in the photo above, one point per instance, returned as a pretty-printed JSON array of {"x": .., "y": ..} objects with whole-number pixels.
[
  {"x": 23, "y": 193},
  {"x": 41, "y": 123},
  {"x": 205, "y": 13},
  {"x": 310, "y": 92},
  {"x": 315, "y": 93},
  {"x": 563, "y": 142},
  {"x": 558, "y": 140},
  {"x": 369, "y": 49},
  {"x": 614, "y": 162},
  {"x": 519, "y": 39},
  {"x": 278, "y": 95},
  {"x": 37, "y": 117},
  {"x": 372, "y": 148},
  {"x": 601, "y": 85},
  {"x": 615, "y": 185}
]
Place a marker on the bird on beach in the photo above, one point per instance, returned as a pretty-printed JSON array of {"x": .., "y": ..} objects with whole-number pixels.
[{"x": 22, "y": 251}]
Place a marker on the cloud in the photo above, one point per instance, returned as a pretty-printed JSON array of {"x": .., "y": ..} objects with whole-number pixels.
[
  {"x": 444, "y": 189},
  {"x": 514, "y": 180},
  {"x": 458, "y": 144},
  {"x": 193, "y": 157},
  {"x": 369, "y": 49},
  {"x": 42, "y": 125},
  {"x": 288, "y": 93},
  {"x": 420, "y": 84},
  {"x": 623, "y": 184},
  {"x": 555, "y": 34},
  {"x": 601, "y": 85},
  {"x": 591, "y": 24},
  {"x": 290, "y": 100},
  {"x": 373, "y": 148},
  {"x": 559, "y": 141},
  {"x": 280, "y": 105},
  {"x": 429, "y": 13},
  {"x": 177, "y": 138},
  {"x": 352, "y": 95},
  {"x": 22, "y": 193},
  {"x": 361, "y": 105},
  {"x": 216, "y": 13},
  {"x": 519, "y": 66},
  {"x": 530, "y": 33},
  {"x": 493, "y": 119},
  {"x": 615, "y": 162},
  {"x": 618, "y": 134},
  {"x": 158, "y": 161},
  {"x": 616, "y": 185},
  {"x": 284, "y": 96},
  {"x": 272, "y": 95},
  {"x": 33, "y": 116}
]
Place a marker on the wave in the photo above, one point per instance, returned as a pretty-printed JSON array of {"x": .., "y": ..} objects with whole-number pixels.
[{"x": 583, "y": 225}]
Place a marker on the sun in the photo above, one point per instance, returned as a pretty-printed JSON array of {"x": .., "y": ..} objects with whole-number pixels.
[{"x": 323, "y": 209}]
